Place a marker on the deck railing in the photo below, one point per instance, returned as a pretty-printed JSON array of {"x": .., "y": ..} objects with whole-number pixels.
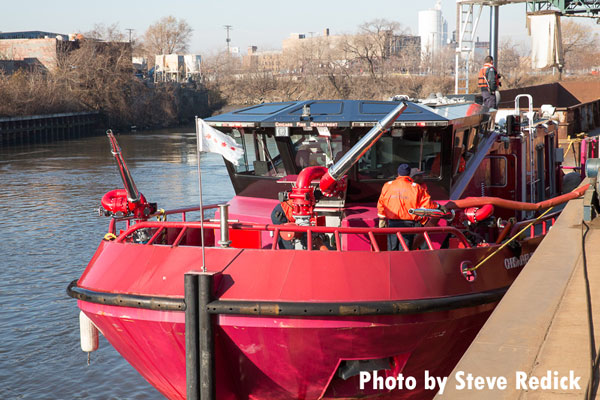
[
  {"x": 172, "y": 233},
  {"x": 541, "y": 227}
]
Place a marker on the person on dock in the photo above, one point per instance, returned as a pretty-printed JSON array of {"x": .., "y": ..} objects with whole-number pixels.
[
  {"x": 489, "y": 82},
  {"x": 397, "y": 197}
]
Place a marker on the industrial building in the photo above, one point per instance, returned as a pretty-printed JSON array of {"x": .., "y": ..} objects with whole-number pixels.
[
  {"x": 299, "y": 47},
  {"x": 177, "y": 67},
  {"x": 31, "y": 35},
  {"x": 34, "y": 49},
  {"x": 42, "y": 51}
]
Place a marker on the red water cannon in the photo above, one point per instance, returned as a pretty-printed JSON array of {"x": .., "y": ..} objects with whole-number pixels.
[
  {"x": 128, "y": 201},
  {"x": 332, "y": 180},
  {"x": 116, "y": 203},
  {"x": 303, "y": 194}
]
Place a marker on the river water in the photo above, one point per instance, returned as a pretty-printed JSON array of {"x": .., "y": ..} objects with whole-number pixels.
[{"x": 49, "y": 194}]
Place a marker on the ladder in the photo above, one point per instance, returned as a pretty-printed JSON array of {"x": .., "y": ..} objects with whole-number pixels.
[{"x": 466, "y": 28}]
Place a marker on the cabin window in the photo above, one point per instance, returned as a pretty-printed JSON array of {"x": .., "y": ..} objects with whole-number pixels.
[
  {"x": 316, "y": 150},
  {"x": 261, "y": 156},
  {"x": 475, "y": 139},
  {"x": 497, "y": 173},
  {"x": 462, "y": 139},
  {"x": 418, "y": 148},
  {"x": 459, "y": 154}
]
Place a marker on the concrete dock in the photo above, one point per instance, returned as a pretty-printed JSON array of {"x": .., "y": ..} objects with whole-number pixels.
[{"x": 540, "y": 328}]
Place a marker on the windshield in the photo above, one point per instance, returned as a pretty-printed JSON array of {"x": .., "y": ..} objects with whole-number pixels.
[
  {"x": 420, "y": 149},
  {"x": 261, "y": 156},
  {"x": 316, "y": 150}
]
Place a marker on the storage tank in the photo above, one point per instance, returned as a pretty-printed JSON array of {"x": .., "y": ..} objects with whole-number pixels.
[
  {"x": 431, "y": 29},
  {"x": 192, "y": 64}
]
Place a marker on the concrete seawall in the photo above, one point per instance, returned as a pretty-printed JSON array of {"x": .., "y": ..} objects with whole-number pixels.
[{"x": 47, "y": 128}]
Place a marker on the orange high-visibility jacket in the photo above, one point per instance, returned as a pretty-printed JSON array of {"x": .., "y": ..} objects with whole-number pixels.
[
  {"x": 288, "y": 210},
  {"x": 483, "y": 79},
  {"x": 400, "y": 195}
]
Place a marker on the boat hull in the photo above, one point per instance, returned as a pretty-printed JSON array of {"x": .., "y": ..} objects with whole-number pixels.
[{"x": 289, "y": 357}]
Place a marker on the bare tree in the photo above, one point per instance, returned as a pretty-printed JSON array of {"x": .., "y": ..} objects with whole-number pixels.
[
  {"x": 578, "y": 41},
  {"x": 107, "y": 33},
  {"x": 168, "y": 36},
  {"x": 371, "y": 45}
]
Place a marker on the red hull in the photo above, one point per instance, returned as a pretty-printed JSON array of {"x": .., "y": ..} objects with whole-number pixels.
[{"x": 294, "y": 357}]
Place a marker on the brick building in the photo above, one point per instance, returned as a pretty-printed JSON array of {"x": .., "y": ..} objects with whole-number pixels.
[{"x": 44, "y": 52}]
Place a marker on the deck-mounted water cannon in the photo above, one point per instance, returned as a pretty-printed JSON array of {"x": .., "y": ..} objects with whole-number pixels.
[
  {"x": 128, "y": 201},
  {"x": 332, "y": 180}
]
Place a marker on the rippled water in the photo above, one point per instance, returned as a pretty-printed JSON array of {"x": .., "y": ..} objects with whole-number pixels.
[{"x": 50, "y": 230}]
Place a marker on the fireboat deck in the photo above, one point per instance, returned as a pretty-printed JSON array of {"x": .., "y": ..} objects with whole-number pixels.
[{"x": 541, "y": 323}]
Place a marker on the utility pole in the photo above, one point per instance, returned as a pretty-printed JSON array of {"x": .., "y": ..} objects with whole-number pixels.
[
  {"x": 228, "y": 40},
  {"x": 130, "y": 30}
]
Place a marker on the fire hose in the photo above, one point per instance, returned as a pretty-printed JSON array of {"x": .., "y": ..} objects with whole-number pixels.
[{"x": 516, "y": 205}]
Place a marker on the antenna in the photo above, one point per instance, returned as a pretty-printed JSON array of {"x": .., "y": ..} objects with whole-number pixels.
[{"x": 228, "y": 40}]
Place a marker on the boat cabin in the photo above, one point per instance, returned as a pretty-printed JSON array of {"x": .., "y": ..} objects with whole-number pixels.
[
  {"x": 456, "y": 146},
  {"x": 280, "y": 139}
]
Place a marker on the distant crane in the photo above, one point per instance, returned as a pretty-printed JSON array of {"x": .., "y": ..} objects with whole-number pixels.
[{"x": 468, "y": 14}]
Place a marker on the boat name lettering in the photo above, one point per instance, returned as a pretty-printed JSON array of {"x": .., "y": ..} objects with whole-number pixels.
[
  {"x": 324, "y": 124},
  {"x": 516, "y": 262},
  {"x": 313, "y": 124}
]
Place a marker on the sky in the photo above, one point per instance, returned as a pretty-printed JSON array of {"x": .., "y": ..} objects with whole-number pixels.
[{"x": 263, "y": 23}]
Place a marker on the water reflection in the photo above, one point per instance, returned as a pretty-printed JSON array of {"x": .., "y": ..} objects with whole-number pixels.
[{"x": 50, "y": 230}]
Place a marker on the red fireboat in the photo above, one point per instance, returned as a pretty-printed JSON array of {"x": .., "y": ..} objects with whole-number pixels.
[{"x": 219, "y": 308}]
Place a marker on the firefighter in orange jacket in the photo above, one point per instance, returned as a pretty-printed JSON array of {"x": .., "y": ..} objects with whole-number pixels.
[
  {"x": 397, "y": 197},
  {"x": 488, "y": 81}
]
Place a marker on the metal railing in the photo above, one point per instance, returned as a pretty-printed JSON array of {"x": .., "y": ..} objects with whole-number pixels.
[
  {"x": 160, "y": 214},
  {"x": 158, "y": 228},
  {"x": 545, "y": 223}
]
